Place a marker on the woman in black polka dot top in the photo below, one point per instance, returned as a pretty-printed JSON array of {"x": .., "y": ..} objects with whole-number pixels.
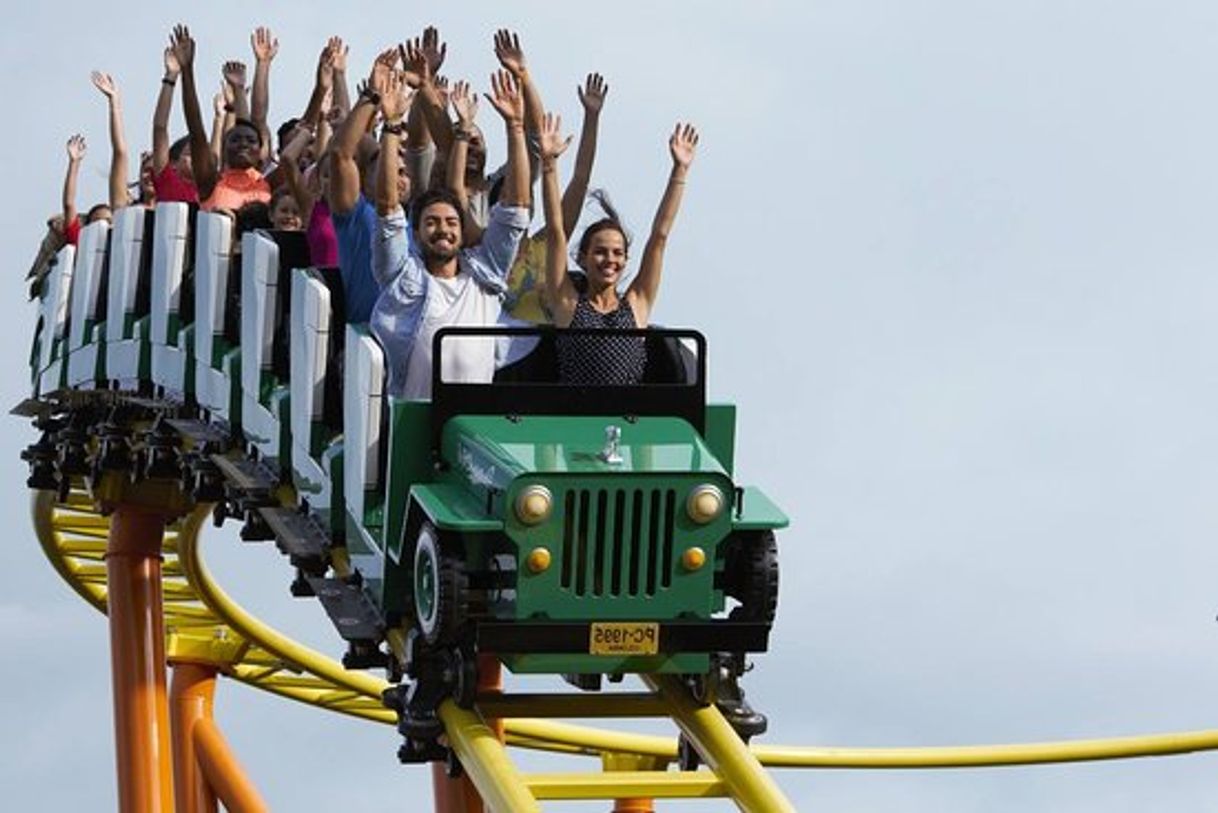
[{"x": 602, "y": 255}]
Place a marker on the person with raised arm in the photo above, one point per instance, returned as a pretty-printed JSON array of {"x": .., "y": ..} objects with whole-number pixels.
[
  {"x": 526, "y": 282},
  {"x": 309, "y": 189},
  {"x": 351, "y": 210},
  {"x": 119, "y": 197},
  {"x": 237, "y": 181},
  {"x": 602, "y": 254},
  {"x": 265, "y": 47},
  {"x": 430, "y": 281},
  {"x": 172, "y": 176},
  {"x": 71, "y": 220}
]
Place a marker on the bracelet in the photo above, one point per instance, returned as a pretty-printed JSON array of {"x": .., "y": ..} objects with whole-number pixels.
[
  {"x": 371, "y": 96},
  {"x": 396, "y": 128},
  {"x": 170, "y": 82},
  {"x": 461, "y": 134}
]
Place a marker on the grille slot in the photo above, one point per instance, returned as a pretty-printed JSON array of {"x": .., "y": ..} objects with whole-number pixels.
[{"x": 618, "y": 542}]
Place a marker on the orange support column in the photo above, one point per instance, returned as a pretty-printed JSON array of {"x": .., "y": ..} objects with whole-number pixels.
[
  {"x": 191, "y": 696},
  {"x": 459, "y": 795},
  {"x": 137, "y": 661}
]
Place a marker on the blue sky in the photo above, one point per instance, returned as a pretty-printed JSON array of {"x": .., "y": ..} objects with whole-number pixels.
[{"x": 955, "y": 264}]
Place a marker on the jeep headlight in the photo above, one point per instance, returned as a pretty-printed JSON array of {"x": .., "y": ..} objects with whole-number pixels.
[
  {"x": 704, "y": 504},
  {"x": 533, "y": 504}
]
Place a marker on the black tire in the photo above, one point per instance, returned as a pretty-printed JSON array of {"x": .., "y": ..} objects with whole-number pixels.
[
  {"x": 440, "y": 586},
  {"x": 751, "y": 576}
]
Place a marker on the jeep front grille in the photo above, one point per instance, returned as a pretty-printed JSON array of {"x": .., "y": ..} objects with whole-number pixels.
[{"x": 618, "y": 542}]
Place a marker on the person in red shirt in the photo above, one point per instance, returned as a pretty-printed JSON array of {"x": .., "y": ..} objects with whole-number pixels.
[
  {"x": 172, "y": 174},
  {"x": 71, "y": 220}
]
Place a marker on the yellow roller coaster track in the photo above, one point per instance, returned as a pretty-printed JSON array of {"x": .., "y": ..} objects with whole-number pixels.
[{"x": 202, "y": 622}]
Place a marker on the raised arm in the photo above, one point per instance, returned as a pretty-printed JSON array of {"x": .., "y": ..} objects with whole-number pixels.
[
  {"x": 465, "y": 105},
  {"x": 76, "y": 154},
  {"x": 118, "y": 141},
  {"x": 560, "y": 294},
  {"x": 289, "y": 163},
  {"x": 265, "y": 47},
  {"x": 508, "y": 101},
  {"x": 233, "y": 72},
  {"x": 204, "y": 165},
  {"x": 342, "y": 97},
  {"x": 681, "y": 146},
  {"x": 422, "y": 58},
  {"x": 511, "y": 57},
  {"x": 323, "y": 83},
  {"x": 160, "y": 116},
  {"x": 221, "y": 103},
  {"x": 344, "y": 172},
  {"x": 395, "y": 102},
  {"x": 592, "y": 97}
]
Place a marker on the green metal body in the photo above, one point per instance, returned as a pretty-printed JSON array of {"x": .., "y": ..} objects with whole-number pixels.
[{"x": 616, "y": 536}]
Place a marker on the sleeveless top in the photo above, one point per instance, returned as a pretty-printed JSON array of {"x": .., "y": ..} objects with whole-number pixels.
[{"x": 601, "y": 360}]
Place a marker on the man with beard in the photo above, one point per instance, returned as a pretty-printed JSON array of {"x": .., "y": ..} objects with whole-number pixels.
[
  {"x": 239, "y": 182},
  {"x": 435, "y": 283}
]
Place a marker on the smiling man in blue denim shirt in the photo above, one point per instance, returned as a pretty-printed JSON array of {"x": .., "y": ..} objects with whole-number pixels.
[{"x": 428, "y": 281}]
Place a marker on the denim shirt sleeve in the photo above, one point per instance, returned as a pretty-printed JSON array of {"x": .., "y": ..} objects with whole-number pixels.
[
  {"x": 491, "y": 260},
  {"x": 391, "y": 251},
  {"x": 399, "y": 310}
]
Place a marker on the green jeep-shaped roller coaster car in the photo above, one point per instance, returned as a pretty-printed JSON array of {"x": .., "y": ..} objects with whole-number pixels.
[{"x": 582, "y": 531}]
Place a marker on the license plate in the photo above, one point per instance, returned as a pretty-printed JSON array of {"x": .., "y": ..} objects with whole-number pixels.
[{"x": 624, "y": 638}]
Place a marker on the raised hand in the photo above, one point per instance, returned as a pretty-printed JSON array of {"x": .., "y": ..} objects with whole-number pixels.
[
  {"x": 592, "y": 94},
  {"x": 76, "y": 148},
  {"x": 325, "y": 67},
  {"x": 395, "y": 97},
  {"x": 264, "y": 44},
  {"x": 183, "y": 46},
  {"x": 339, "y": 50},
  {"x": 464, "y": 103},
  {"x": 433, "y": 49},
  {"x": 505, "y": 97},
  {"x": 172, "y": 66},
  {"x": 105, "y": 83},
  {"x": 416, "y": 68},
  {"x": 509, "y": 53},
  {"x": 234, "y": 73},
  {"x": 386, "y": 62},
  {"x": 550, "y": 137},
  {"x": 441, "y": 85},
  {"x": 682, "y": 144}
]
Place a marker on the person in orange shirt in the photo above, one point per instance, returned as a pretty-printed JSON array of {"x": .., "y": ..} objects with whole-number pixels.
[{"x": 238, "y": 181}]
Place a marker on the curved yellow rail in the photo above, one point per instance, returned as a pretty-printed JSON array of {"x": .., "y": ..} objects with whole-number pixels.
[{"x": 200, "y": 615}]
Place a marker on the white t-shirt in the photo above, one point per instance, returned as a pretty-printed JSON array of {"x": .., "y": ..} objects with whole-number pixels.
[{"x": 456, "y": 301}]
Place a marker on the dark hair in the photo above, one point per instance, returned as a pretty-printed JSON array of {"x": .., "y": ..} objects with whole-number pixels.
[
  {"x": 97, "y": 208},
  {"x": 439, "y": 195},
  {"x": 175, "y": 149},
  {"x": 244, "y": 122},
  {"x": 611, "y": 220},
  {"x": 256, "y": 215},
  {"x": 286, "y": 129}
]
